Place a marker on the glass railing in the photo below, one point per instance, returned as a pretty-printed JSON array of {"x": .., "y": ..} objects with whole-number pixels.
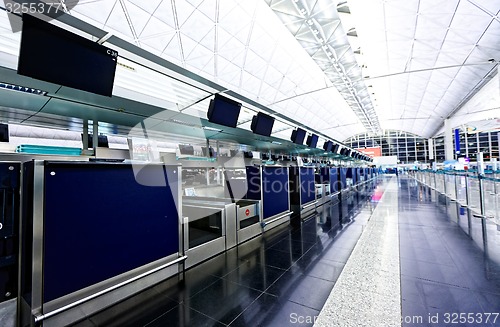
[{"x": 478, "y": 193}]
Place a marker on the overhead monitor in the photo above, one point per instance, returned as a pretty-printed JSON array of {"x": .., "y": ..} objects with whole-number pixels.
[
  {"x": 298, "y": 136},
  {"x": 102, "y": 141},
  {"x": 327, "y": 146},
  {"x": 262, "y": 124},
  {"x": 223, "y": 111},
  {"x": 4, "y": 133},
  {"x": 52, "y": 54},
  {"x": 312, "y": 140},
  {"x": 186, "y": 149}
]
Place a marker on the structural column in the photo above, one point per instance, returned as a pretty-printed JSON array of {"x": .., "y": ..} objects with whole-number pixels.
[{"x": 448, "y": 141}]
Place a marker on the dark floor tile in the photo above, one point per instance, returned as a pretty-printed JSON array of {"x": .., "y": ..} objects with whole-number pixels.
[
  {"x": 489, "y": 303},
  {"x": 433, "y": 272},
  {"x": 448, "y": 298},
  {"x": 297, "y": 248},
  {"x": 223, "y": 300},
  {"x": 255, "y": 276},
  {"x": 134, "y": 311},
  {"x": 302, "y": 289},
  {"x": 427, "y": 255},
  {"x": 269, "y": 310},
  {"x": 183, "y": 316},
  {"x": 195, "y": 280},
  {"x": 83, "y": 323},
  {"x": 411, "y": 289},
  {"x": 337, "y": 254},
  {"x": 323, "y": 269},
  {"x": 278, "y": 259},
  {"x": 221, "y": 265}
]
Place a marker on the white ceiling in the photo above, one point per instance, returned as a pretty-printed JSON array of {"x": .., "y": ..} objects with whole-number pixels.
[
  {"x": 242, "y": 45},
  {"x": 431, "y": 55},
  {"x": 246, "y": 47}
]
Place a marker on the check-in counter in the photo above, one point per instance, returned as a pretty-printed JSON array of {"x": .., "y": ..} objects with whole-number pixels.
[
  {"x": 248, "y": 207},
  {"x": 323, "y": 181},
  {"x": 229, "y": 223},
  {"x": 205, "y": 228},
  {"x": 304, "y": 195},
  {"x": 94, "y": 234},
  {"x": 248, "y": 222},
  {"x": 269, "y": 184}
]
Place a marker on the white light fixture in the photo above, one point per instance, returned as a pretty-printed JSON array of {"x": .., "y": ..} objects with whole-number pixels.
[{"x": 208, "y": 128}]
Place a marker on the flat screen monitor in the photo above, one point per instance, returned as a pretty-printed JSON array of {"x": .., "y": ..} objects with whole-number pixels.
[
  {"x": 298, "y": 136},
  {"x": 328, "y": 146},
  {"x": 312, "y": 140},
  {"x": 262, "y": 124},
  {"x": 102, "y": 141},
  {"x": 52, "y": 54},
  {"x": 223, "y": 111},
  {"x": 210, "y": 153},
  {"x": 4, "y": 133},
  {"x": 336, "y": 148},
  {"x": 186, "y": 149}
]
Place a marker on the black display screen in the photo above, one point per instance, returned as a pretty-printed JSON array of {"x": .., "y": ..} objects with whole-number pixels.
[
  {"x": 52, "y": 54},
  {"x": 262, "y": 124},
  {"x": 223, "y": 111},
  {"x": 328, "y": 146},
  {"x": 4, "y": 133},
  {"x": 298, "y": 136},
  {"x": 312, "y": 140},
  {"x": 186, "y": 149}
]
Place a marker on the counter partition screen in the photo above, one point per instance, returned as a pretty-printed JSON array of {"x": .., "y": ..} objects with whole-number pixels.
[
  {"x": 335, "y": 184},
  {"x": 275, "y": 191},
  {"x": 307, "y": 187},
  {"x": 98, "y": 222}
]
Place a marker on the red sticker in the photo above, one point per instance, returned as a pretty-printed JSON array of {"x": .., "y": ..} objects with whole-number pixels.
[{"x": 247, "y": 212}]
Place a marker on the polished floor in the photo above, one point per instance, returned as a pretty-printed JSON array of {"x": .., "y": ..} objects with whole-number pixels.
[
  {"x": 394, "y": 240},
  {"x": 268, "y": 281},
  {"x": 450, "y": 261}
]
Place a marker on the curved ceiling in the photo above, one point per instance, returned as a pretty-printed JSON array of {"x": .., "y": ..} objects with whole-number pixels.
[
  {"x": 426, "y": 58},
  {"x": 418, "y": 61}
]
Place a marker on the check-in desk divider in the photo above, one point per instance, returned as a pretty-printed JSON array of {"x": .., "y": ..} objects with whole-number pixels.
[
  {"x": 10, "y": 174},
  {"x": 94, "y": 234},
  {"x": 302, "y": 192},
  {"x": 323, "y": 183},
  {"x": 269, "y": 184}
]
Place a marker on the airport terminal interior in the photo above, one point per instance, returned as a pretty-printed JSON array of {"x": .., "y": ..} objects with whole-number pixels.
[{"x": 249, "y": 163}]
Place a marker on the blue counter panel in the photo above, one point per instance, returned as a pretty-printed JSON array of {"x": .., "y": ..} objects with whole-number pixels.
[
  {"x": 253, "y": 183},
  {"x": 324, "y": 175},
  {"x": 354, "y": 175},
  {"x": 307, "y": 187},
  {"x": 343, "y": 177},
  {"x": 335, "y": 184},
  {"x": 275, "y": 190},
  {"x": 99, "y": 223}
]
